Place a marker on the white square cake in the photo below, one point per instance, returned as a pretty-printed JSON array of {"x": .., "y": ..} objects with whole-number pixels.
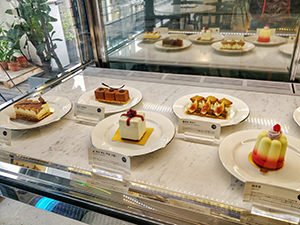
[{"x": 133, "y": 129}]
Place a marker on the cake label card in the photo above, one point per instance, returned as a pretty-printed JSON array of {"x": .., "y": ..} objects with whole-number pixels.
[
  {"x": 5, "y": 136},
  {"x": 273, "y": 197},
  {"x": 265, "y": 217},
  {"x": 109, "y": 164},
  {"x": 88, "y": 112},
  {"x": 199, "y": 128}
]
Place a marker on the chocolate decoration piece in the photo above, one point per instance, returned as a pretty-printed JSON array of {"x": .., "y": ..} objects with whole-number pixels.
[{"x": 112, "y": 87}]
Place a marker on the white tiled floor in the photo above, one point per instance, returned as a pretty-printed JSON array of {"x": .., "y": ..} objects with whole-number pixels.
[{"x": 17, "y": 213}]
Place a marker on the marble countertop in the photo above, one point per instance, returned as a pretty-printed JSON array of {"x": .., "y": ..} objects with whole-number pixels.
[
  {"x": 266, "y": 59},
  {"x": 189, "y": 168}
]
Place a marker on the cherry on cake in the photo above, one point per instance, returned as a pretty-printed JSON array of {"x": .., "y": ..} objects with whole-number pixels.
[
  {"x": 32, "y": 110},
  {"x": 264, "y": 34},
  {"x": 132, "y": 125},
  {"x": 270, "y": 148}
]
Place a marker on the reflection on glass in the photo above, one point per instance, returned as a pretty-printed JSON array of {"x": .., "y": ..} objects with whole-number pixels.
[
  {"x": 38, "y": 39},
  {"x": 231, "y": 20}
]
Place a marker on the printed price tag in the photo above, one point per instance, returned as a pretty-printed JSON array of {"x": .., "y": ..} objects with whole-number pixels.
[
  {"x": 59, "y": 173},
  {"x": 199, "y": 128},
  {"x": 109, "y": 164},
  {"x": 273, "y": 197},
  {"x": 5, "y": 136},
  {"x": 88, "y": 112}
]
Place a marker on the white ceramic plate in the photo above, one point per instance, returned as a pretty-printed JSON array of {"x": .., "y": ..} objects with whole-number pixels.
[
  {"x": 296, "y": 116},
  {"x": 239, "y": 109},
  {"x": 274, "y": 40},
  {"x": 60, "y": 106},
  {"x": 247, "y": 47},
  {"x": 216, "y": 37},
  {"x": 162, "y": 134},
  {"x": 88, "y": 98},
  {"x": 235, "y": 149},
  {"x": 186, "y": 44},
  {"x": 287, "y": 48}
]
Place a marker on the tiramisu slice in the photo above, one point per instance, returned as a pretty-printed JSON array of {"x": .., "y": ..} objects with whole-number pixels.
[{"x": 32, "y": 110}]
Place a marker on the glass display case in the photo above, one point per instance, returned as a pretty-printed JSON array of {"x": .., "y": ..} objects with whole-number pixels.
[
  {"x": 129, "y": 48},
  {"x": 204, "y": 80}
]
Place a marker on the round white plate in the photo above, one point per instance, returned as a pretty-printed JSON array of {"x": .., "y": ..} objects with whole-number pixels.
[
  {"x": 239, "y": 109},
  {"x": 88, "y": 98},
  {"x": 186, "y": 44},
  {"x": 59, "y": 105},
  {"x": 296, "y": 116},
  {"x": 247, "y": 47},
  {"x": 235, "y": 149},
  {"x": 287, "y": 48},
  {"x": 216, "y": 37},
  {"x": 274, "y": 40},
  {"x": 163, "y": 133}
]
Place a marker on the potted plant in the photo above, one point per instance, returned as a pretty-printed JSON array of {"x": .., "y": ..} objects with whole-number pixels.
[
  {"x": 22, "y": 60},
  {"x": 4, "y": 50},
  {"x": 35, "y": 25},
  {"x": 13, "y": 63},
  {"x": 3, "y": 55}
]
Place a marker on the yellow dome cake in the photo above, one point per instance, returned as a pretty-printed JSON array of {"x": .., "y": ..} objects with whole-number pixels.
[
  {"x": 269, "y": 150},
  {"x": 264, "y": 34}
]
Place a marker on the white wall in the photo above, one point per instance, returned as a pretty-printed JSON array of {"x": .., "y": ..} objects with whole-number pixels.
[{"x": 61, "y": 50}]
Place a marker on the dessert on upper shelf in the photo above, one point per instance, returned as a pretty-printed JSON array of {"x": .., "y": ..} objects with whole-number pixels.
[
  {"x": 32, "y": 110},
  {"x": 132, "y": 125},
  {"x": 112, "y": 95},
  {"x": 232, "y": 45},
  {"x": 172, "y": 42},
  {"x": 206, "y": 35},
  {"x": 264, "y": 34},
  {"x": 209, "y": 107},
  {"x": 269, "y": 150},
  {"x": 151, "y": 35}
]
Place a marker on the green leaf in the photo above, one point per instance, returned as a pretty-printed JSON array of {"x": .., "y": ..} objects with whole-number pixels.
[
  {"x": 9, "y": 11},
  {"x": 57, "y": 39},
  {"x": 53, "y": 32},
  {"x": 41, "y": 47},
  {"x": 52, "y": 19}
]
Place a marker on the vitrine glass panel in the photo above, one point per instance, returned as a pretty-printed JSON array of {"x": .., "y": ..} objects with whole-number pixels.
[
  {"x": 38, "y": 40},
  {"x": 232, "y": 38}
]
